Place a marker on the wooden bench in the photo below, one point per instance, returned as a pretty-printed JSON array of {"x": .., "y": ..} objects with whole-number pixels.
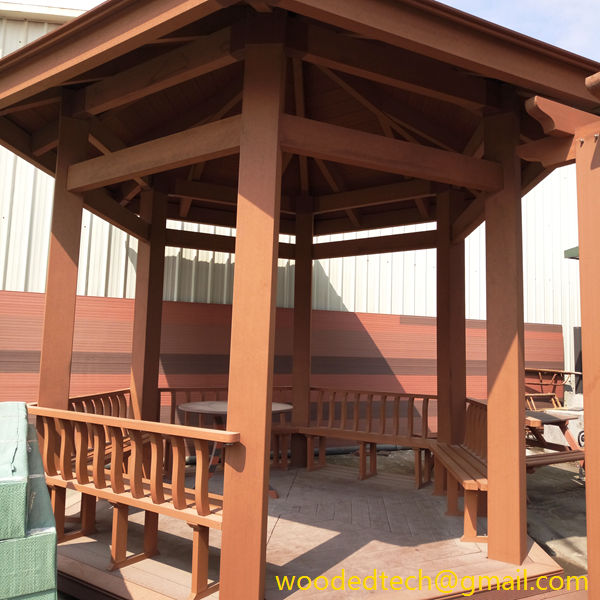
[
  {"x": 465, "y": 465},
  {"x": 71, "y": 463},
  {"x": 369, "y": 419}
]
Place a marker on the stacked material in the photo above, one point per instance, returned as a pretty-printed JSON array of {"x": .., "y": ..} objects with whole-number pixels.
[{"x": 27, "y": 531}]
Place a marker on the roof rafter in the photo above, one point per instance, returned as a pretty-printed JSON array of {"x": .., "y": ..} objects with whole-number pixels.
[
  {"x": 117, "y": 28},
  {"x": 348, "y": 146},
  {"x": 432, "y": 29},
  {"x": 196, "y": 58},
  {"x": 387, "y": 65}
]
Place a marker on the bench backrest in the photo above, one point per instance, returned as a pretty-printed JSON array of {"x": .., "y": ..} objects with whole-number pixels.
[{"x": 476, "y": 429}]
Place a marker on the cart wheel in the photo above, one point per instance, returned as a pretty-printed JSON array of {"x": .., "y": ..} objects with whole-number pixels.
[{"x": 581, "y": 438}]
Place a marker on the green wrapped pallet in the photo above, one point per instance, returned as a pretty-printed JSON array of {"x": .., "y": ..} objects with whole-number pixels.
[
  {"x": 28, "y": 564},
  {"x": 13, "y": 470}
]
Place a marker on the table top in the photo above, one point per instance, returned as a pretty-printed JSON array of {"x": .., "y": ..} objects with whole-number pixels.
[{"x": 219, "y": 407}]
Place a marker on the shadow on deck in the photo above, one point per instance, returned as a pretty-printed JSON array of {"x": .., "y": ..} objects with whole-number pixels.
[{"x": 323, "y": 522}]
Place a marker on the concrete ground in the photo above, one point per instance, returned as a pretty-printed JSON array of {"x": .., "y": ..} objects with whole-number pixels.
[{"x": 555, "y": 510}]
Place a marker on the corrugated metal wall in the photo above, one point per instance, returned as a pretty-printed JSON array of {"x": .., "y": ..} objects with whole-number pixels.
[{"x": 400, "y": 283}]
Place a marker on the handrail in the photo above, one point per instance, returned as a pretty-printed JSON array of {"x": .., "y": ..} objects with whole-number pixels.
[{"x": 198, "y": 433}]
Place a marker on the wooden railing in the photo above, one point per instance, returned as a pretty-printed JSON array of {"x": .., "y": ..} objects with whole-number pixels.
[
  {"x": 114, "y": 404},
  {"x": 381, "y": 413},
  {"x": 104, "y": 456}
]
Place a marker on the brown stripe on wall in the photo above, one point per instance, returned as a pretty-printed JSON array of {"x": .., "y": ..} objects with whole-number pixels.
[{"x": 351, "y": 350}]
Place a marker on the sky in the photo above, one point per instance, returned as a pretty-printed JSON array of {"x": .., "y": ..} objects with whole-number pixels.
[{"x": 570, "y": 24}]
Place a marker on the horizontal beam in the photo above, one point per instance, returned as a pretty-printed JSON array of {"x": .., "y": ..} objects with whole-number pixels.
[
  {"x": 386, "y": 65},
  {"x": 403, "y": 242},
  {"x": 384, "y": 194},
  {"x": 215, "y": 194},
  {"x": 98, "y": 36},
  {"x": 213, "y": 140},
  {"x": 348, "y": 146},
  {"x": 551, "y": 151},
  {"x": 432, "y": 29},
  {"x": 197, "y": 58},
  {"x": 558, "y": 119},
  {"x": 214, "y": 243},
  {"x": 390, "y": 218},
  {"x": 102, "y": 204}
]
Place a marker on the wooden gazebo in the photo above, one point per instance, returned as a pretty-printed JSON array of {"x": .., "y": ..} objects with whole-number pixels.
[{"x": 311, "y": 117}]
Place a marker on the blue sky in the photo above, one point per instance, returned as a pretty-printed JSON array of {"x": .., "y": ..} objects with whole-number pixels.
[{"x": 570, "y": 24}]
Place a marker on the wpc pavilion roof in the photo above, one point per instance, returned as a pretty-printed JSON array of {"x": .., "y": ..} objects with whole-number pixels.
[{"x": 411, "y": 70}]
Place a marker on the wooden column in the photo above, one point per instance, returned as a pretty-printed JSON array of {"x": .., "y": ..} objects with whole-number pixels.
[
  {"x": 63, "y": 260},
  {"x": 588, "y": 207},
  {"x": 451, "y": 350},
  {"x": 302, "y": 325},
  {"x": 145, "y": 352},
  {"x": 507, "y": 510},
  {"x": 243, "y": 552}
]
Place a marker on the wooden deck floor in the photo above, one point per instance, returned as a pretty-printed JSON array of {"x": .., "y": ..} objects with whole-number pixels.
[{"x": 323, "y": 522}]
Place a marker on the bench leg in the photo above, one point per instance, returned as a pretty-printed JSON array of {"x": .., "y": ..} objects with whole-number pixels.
[
  {"x": 322, "y": 451},
  {"x": 470, "y": 520},
  {"x": 150, "y": 534},
  {"x": 57, "y": 497},
  {"x": 373, "y": 459},
  {"x": 452, "y": 497},
  {"x": 439, "y": 477},
  {"x": 88, "y": 514},
  {"x": 418, "y": 468},
  {"x": 285, "y": 446},
  {"x": 118, "y": 547},
  {"x": 275, "y": 446},
  {"x": 428, "y": 466},
  {"x": 362, "y": 460},
  {"x": 310, "y": 453},
  {"x": 200, "y": 587}
]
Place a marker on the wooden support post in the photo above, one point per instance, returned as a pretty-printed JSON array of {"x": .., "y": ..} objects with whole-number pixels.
[
  {"x": 322, "y": 451},
  {"x": 310, "y": 452},
  {"x": 470, "y": 516},
  {"x": 150, "y": 533},
  {"x": 418, "y": 468},
  {"x": 588, "y": 207},
  {"x": 243, "y": 554},
  {"x": 507, "y": 509},
  {"x": 118, "y": 547},
  {"x": 63, "y": 261},
  {"x": 199, "y": 562},
  {"x": 88, "y": 514},
  {"x": 451, "y": 344},
  {"x": 57, "y": 498},
  {"x": 145, "y": 354},
  {"x": 302, "y": 325}
]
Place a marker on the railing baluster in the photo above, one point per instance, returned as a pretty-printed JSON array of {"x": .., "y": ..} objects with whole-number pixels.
[
  {"x": 396, "y": 415},
  {"x": 122, "y": 400},
  {"x": 425, "y": 418},
  {"x": 46, "y": 428},
  {"x": 320, "y": 408},
  {"x": 356, "y": 410},
  {"x": 344, "y": 411},
  {"x": 178, "y": 472},
  {"x": 382, "y": 415},
  {"x": 116, "y": 460},
  {"x": 156, "y": 469},
  {"x": 410, "y": 414},
  {"x": 369, "y": 415},
  {"x": 99, "y": 456},
  {"x": 201, "y": 491},
  {"x": 81, "y": 453},
  {"x": 173, "y": 407},
  {"x": 136, "y": 460},
  {"x": 66, "y": 449}
]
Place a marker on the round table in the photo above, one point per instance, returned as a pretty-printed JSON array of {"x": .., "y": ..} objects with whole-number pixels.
[{"x": 218, "y": 409}]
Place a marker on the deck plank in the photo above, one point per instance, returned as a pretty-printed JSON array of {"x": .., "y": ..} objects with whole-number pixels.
[{"x": 323, "y": 522}]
